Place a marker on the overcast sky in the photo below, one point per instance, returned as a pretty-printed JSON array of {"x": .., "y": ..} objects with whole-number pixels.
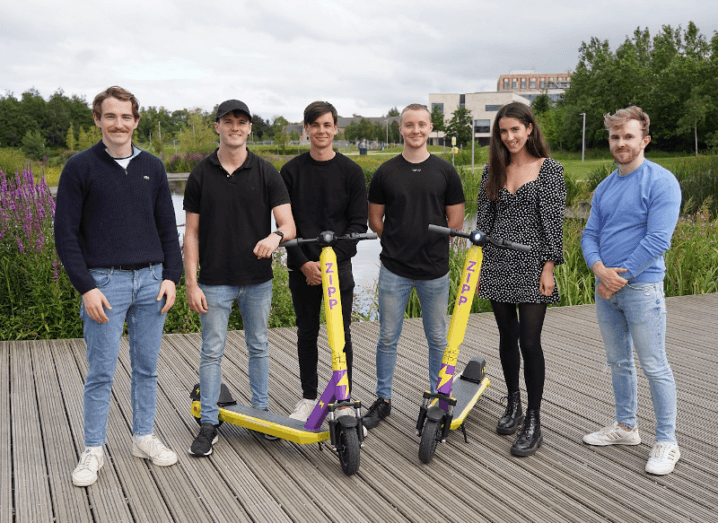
[{"x": 277, "y": 56}]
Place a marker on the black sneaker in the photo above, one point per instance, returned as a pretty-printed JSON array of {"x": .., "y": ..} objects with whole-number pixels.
[
  {"x": 202, "y": 444},
  {"x": 379, "y": 410}
]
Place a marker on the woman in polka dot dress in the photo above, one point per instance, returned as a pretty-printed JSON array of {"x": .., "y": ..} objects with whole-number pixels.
[{"x": 522, "y": 199}]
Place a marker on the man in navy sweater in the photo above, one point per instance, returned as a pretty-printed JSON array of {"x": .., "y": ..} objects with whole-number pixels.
[
  {"x": 633, "y": 214},
  {"x": 116, "y": 235}
]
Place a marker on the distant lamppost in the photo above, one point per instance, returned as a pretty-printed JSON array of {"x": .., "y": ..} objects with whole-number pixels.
[
  {"x": 473, "y": 138},
  {"x": 583, "y": 138}
]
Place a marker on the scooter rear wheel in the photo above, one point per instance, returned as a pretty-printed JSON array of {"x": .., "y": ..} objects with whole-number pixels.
[
  {"x": 430, "y": 436},
  {"x": 348, "y": 449}
]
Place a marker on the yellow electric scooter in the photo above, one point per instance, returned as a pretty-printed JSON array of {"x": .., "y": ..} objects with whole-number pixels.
[
  {"x": 456, "y": 395},
  {"x": 345, "y": 433}
]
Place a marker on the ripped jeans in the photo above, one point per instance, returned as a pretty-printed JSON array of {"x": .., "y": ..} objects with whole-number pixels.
[{"x": 636, "y": 316}]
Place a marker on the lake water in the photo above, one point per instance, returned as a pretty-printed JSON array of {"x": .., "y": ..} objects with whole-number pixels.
[{"x": 365, "y": 264}]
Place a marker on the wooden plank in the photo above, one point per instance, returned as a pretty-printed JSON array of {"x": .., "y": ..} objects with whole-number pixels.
[
  {"x": 69, "y": 502},
  {"x": 33, "y": 501},
  {"x": 106, "y": 497},
  {"x": 6, "y": 463}
]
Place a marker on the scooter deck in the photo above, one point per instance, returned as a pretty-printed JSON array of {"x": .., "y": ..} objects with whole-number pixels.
[
  {"x": 467, "y": 393},
  {"x": 267, "y": 423}
]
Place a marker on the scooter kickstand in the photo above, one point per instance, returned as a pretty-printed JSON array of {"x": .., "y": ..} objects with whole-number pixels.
[{"x": 463, "y": 430}]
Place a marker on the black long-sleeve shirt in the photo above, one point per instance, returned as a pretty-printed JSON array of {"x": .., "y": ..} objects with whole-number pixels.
[{"x": 326, "y": 196}]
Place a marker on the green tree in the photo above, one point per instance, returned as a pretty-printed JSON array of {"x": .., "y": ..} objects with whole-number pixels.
[
  {"x": 294, "y": 135},
  {"x": 198, "y": 136},
  {"x": 393, "y": 112},
  {"x": 460, "y": 126},
  {"x": 157, "y": 142},
  {"x": 33, "y": 145},
  {"x": 437, "y": 119},
  {"x": 87, "y": 139},
  {"x": 279, "y": 135},
  {"x": 394, "y": 135},
  {"x": 70, "y": 140},
  {"x": 541, "y": 104},
  {"x": 695, "y": 111}
]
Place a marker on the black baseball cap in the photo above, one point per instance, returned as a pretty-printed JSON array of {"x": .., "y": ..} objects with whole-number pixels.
[{"x": 231, "y": 105}]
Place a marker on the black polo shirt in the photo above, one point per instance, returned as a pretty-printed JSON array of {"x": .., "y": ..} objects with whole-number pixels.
[{"x": 234, "y": 214}]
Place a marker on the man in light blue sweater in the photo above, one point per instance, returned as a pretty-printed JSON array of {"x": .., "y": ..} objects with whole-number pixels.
[{"x": 633, "y": 214}]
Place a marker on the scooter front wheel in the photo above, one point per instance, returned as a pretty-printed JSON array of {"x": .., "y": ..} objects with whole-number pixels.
[
  {"x": 348, "y": 450},
  {"x": 430, "y": 436}
]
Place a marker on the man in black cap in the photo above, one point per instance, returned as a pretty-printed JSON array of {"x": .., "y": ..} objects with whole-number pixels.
[{"x": 235, "y": 193}]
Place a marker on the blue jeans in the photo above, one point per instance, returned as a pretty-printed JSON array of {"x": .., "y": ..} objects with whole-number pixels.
[
  {"x": 636, "y": 315},
  {"x": 254, "y": 303},
  {"x": 394, "y": 293},
  {"x": 133, "y": 297}
]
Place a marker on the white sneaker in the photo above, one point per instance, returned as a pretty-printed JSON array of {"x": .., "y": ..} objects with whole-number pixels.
[
  {"x": 91, "y": 460},
  {"x": 663, "y": 458},
  {"x": 303, "y": 409},
  {"x": 149, "y": 447},
  {"x": 613, "y": 435}
]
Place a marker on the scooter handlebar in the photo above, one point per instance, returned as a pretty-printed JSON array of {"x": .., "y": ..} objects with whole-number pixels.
[
  {"x": 479, "y": 238},
  {"x": 353, "y": 236}
]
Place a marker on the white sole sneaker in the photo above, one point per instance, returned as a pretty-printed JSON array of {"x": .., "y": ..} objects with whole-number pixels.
[
  {"x": 663, "y": 458},
  {"x": 85, "y": 474},
  {"x": 613, "y": 435}
]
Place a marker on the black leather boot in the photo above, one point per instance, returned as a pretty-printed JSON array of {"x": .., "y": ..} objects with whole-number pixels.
[
  {"x": 513, "y": 416},
  {"x": 529, "y": 438}
]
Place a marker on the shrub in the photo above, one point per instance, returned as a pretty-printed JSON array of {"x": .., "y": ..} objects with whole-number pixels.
[
  {"x": 36, "y": 298},
  {"x": 12, "y": 161},
  {"x": 699, "y": 180}
]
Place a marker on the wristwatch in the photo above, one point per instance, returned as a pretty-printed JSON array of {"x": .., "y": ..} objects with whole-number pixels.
[{"x": 280, "y": 234}]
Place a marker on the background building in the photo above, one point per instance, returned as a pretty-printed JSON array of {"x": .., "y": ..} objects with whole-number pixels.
[
  {"x": 482, "y": 106},
  {"x": 529, "y": 84}
]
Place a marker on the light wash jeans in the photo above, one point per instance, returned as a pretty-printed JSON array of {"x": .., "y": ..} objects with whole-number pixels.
[
  {"x": 133, "y": 297},
  {"x": 636, "y": 315},
  {"x": 394, "y": 293},
  {"x": 254, "y": 303}
]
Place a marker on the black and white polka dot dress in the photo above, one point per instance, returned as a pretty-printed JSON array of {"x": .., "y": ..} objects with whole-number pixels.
[{"x": 532, "y": 216}]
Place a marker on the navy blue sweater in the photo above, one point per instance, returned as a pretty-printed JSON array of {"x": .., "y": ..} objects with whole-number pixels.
[{"x": 108, "y": 216}]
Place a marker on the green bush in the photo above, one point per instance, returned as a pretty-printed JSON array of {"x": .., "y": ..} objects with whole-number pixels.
[
  {"x": 12, "y": 161},
  {"x": 699, "y": 180}
]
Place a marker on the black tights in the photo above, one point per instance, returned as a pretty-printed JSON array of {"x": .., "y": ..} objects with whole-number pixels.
[{"x": 522, "y": 329}]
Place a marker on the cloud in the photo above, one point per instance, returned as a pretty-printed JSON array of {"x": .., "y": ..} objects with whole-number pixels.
[{"x": 365, "y": 57}]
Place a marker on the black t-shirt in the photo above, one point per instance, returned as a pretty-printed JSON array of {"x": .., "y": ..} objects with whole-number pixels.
[
  {"x": 415, "y": 195},
  {"x": 326, "y": 196},
  {"x": 235, "y": 213}
]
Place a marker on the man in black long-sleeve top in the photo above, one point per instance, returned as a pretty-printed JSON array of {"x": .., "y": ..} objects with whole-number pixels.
[
  {"x": 116, "y": 235},
  {"x": 328, "y": 193}
]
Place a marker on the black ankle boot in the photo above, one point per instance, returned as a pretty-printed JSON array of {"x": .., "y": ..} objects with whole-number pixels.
[
  {"x": 529, "y": 438},
  {"x": 513, "y": 416}
]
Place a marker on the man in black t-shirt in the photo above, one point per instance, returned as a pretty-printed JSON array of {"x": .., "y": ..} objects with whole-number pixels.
[
  {"x": 328, "y": 193},
  {"x": 229, "y": 199},
  {"x": 406, "y": 194}
]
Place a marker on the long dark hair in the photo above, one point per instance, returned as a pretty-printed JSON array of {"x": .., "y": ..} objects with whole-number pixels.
[{"x": 499, "y": 156}]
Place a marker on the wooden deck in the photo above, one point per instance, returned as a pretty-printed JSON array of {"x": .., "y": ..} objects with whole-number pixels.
[{"x": 251, "y": 479}]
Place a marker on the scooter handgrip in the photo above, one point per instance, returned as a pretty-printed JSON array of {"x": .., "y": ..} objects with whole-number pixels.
[
  {"x": 440, "y": 229},
  {"x": 297, "y": 241},
  {"x": 363, "y": 236},
  {"x": 506, "y": 244}
]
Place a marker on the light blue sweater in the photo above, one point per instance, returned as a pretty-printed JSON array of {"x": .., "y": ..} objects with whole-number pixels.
[{"x": 632, "y": 220}]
